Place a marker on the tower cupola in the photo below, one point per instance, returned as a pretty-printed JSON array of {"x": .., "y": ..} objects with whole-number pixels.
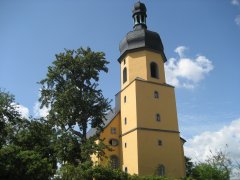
[
  {"x": 141, "y": 38},
  {"x": 139, "y": 16}
]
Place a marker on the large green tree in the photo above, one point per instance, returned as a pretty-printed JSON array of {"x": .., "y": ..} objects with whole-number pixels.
[
  {"x": 71, "y": 91},
  {"x": 27, "y": 148}
]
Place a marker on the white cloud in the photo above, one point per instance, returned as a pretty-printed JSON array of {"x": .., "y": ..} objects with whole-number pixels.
[
  {"x": 187, "y": 72},
  {"x": 198, "y": 147},
  {"x": 235, "y": 2},
  {"x": 38, "y": 112},
  {"x": 24, "y": 111},
  {"x": 237, "y": 20},
  {"x": 180, "y": 50}
]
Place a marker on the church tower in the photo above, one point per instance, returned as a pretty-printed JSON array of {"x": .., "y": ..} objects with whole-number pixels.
[
  {"x": 150, "y": 137},
  {"x": 142, "y": 129}
]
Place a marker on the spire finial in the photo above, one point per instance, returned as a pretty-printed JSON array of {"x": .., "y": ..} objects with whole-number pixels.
[{"x": 139, "y": 15}]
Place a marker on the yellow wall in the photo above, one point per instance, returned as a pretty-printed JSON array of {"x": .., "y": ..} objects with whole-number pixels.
[
  {"x": 128, "y": 109},
  {"x": 151, "y": 154},
  {"x": 130, "y": 153},
  {"x": 106, "y": 134},
  {"x": 148, "y": 106},
  {"x": 138, "y": 65}
]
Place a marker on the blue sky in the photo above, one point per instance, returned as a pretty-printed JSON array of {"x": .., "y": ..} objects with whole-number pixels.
[{"x": 201, "y": 40}]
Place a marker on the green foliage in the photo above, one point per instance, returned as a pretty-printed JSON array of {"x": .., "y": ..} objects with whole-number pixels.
[
  {"x": 206, "y": 171},
  {"x": 10, "y": 119},
  {"x": 71, "y": 90},
  {"x": 218, "y": 166},
  {"x": 102, "y": 173},
  {"x": 189, "y": 166},
  {"x": 88, "y": 172},
  {"x": 16, "y": 163},
  {"x": 27, "y": 149},
  {"x": 136, "y": 177},
  {"x": 31, "y": 153}
]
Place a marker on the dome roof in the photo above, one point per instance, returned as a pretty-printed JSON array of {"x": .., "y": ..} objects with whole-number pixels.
[
  {"x": 139, "y": 7},
  {"x": 141, "y": 38}
]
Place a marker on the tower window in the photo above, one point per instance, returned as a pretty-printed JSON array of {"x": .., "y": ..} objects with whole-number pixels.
[
  {"x": 138, "y": 19},
  {"x": 125, "y": 145},
  {"x": 126, "y": 170},
  {"x": 154, "y": 70},
  {"x": 158, "y": 118},
  {"x": 113, "y": 142},
  {"x": 113, "y": 130},
  {"x": 156, "y": 95},
  {"x": 125, "y": 120},
  {"x": 114, "y": 161},
  {"x": 124, "y": 75},
  {"x": 135, "y": 19},
  {"x": 160, "y": 142},
  {"x": 161, "y": 170},
  {"x": 125, "y": 99}
]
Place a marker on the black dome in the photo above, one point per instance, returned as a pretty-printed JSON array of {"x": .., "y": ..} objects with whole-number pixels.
[
  {"x": 139, "y": 8},
  {"x": 141, "y": 38}
]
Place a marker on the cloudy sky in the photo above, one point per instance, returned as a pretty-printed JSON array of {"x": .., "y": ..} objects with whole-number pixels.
[{"x": 201, "y": 40}]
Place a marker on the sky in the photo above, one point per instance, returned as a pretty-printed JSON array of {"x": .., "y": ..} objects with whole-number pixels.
[{"x": 201, "y": 40}]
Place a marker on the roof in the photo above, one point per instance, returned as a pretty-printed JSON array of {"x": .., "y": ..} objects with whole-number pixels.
[
  {"x": 108, "y": 118},
  {"x": 142, "y": 38}
]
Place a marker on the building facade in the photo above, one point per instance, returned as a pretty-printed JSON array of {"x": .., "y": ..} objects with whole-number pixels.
[{"x": 143, "y": 130}]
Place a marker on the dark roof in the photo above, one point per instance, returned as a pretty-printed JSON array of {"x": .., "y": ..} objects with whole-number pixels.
[
  {"x": 142, "y": 38},
  {"x": 183, "y": 140},
  {"x": 108, "y": 118},
  {"x": 139, "y": 8}
]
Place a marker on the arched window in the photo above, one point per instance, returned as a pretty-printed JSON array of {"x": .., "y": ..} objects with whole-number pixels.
[
  {"x": 124, "y": 75},
  {"x": 158, "y": 118},
  {"x": 114, "y": 161},
  {"x": 156, "y": 95},
  {"x": 154, "y": 70},
  {"x": 160, "y": 142},
  {"x": 161, "y": 170}
]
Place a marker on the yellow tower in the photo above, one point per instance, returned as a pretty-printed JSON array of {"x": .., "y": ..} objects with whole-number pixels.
[
  {"x": 151, "y": 142},
  {"x": 142, "y": 129}
]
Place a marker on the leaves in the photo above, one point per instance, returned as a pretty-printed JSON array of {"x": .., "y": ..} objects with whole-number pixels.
[
  {"x": 16, "y": 163},
  {"x": 10, "y": 119},
  {"x": 217, "y": 166},
  {"x": 71, "y": 90}
]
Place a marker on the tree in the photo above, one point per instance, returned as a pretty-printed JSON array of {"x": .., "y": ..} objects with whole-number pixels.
[
  {"x": 10, "y": 118},
  {"x": 31, "y": 153},
  {"x": 218, "y": 166},
  {"x": 189, "y": 166},
  {"x": 27, "y": 148},
  {"x": 71, "y": 91}
]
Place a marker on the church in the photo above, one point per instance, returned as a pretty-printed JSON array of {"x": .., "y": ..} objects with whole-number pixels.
[{"x": 142, "y": 130}]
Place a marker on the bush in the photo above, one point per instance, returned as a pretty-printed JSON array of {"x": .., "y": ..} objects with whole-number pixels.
[
  {"x": 207, "y": 171},
  {"x": 88, "y": 172}
]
